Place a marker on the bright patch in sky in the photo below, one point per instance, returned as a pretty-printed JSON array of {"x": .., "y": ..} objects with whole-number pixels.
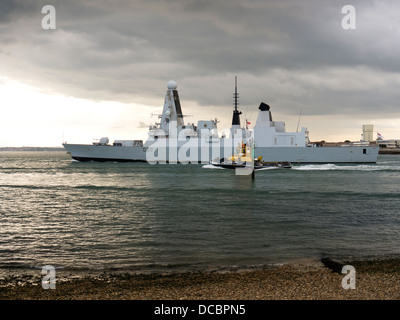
[{"x": 31, "y": 117}]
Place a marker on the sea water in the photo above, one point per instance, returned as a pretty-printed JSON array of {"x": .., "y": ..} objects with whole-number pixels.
[{"x": 145, "y": 218}]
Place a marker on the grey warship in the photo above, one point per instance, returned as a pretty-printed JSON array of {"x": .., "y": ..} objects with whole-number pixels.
[{"x": 172, "y": 141}]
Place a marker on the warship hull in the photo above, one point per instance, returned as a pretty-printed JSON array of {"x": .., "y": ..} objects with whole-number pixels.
[
  {"x": 82, "y": 152},
  {"x": 351, "y": 154}
]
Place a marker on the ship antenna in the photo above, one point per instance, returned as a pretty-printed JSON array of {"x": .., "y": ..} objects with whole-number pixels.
[
  {"x": 236, "y": 113},
  {"x": 298, "y": 122},
  {"x": 236, "y": 95}
]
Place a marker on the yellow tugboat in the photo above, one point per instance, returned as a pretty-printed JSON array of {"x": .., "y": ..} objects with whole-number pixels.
[{"x": 244, "y": 157}]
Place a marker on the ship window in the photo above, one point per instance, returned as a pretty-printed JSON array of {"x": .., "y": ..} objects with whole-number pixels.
[
  {"x": 275, "y": 141},
  {"x": 364, "y": 151},
  {"x": 292, "y": 141}
]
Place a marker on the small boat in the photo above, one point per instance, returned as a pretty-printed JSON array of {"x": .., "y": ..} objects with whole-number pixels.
[
  {"x": 259, "y": 164},
  {"x": 228, "y": 164},
  {"x": 244, "y": 159}
]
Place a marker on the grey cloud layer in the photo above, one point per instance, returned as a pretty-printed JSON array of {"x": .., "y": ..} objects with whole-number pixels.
[{"x": 293, "y": 53}]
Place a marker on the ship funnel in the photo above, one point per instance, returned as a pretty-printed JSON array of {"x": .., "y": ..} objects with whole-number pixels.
[
  {"x": 265, "y": 107},
  {"x": 264, "y": 118}
]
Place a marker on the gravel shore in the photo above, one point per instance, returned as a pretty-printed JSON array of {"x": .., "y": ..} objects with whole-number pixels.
[{"x": 375, "y": 279}]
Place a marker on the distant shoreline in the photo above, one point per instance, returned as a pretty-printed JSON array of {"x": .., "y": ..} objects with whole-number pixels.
[
  {"x": 31, "y": 149},
  {"x": 389, "y": 151}
]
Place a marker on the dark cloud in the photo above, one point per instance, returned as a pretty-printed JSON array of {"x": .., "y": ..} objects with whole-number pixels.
[
  {"x": 13, "y": 9},
  {"x": 291, "y": 53}
]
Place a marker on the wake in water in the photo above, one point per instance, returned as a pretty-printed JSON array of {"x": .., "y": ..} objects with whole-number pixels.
[
  {"x": 267, "y": 168},
  {"x": 330, "y": 166},
  {"x": 211, "y": 166},
  {"x": 327, "y": 167}
]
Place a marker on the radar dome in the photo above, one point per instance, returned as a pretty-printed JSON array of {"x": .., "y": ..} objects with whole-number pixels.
[{"x": 172, "y": 85}]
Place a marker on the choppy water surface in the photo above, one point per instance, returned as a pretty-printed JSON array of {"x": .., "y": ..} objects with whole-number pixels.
[{"x": 141, "y": 217}]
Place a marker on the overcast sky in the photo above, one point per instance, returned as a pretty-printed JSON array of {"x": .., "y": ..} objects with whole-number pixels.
[{"x": 104, "y": 69}]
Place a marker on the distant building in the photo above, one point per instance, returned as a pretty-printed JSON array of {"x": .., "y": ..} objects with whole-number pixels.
[
  {"x": 388, "y": 143},
  {"x": 368, "y": 133},
  {"x": 391, "y": 146},
  {"x": 387, "y": 146}
]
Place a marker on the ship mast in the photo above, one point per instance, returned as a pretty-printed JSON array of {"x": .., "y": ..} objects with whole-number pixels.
[
  {"x": 236, "y": 95},
  {"x": 236, "y": 112}
]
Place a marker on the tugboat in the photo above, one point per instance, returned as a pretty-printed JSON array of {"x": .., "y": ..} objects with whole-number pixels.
[
  {"x": 259, "y": 164},
  {"x": 244, "y": 158}
]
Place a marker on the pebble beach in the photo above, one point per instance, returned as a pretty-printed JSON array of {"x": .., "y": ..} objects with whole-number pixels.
[{"x": 375, "y": 280}]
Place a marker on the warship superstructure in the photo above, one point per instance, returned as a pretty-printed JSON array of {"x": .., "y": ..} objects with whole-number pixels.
[{"x": 172, "y": 141}]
